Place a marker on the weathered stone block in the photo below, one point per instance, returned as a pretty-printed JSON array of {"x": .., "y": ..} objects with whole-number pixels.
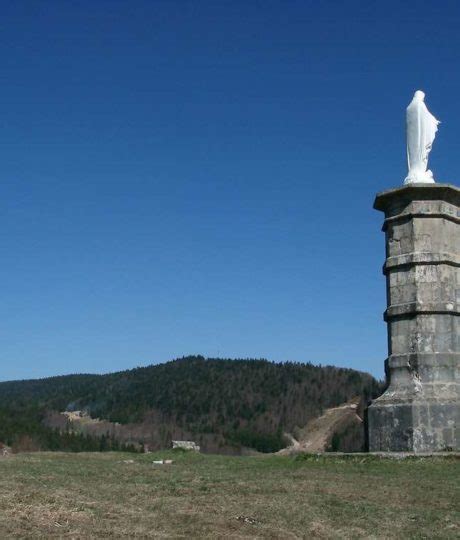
[{"x": 420, "y": 411}]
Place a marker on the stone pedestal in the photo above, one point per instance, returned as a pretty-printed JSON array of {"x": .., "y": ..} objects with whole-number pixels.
[{"x": 420, "y": 411}]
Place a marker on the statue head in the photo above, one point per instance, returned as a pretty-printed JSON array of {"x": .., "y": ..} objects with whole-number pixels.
[{"x": 419, "y": 95}]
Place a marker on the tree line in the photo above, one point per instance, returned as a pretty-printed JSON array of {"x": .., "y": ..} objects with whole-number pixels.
[{"x": 244, "y": 402}]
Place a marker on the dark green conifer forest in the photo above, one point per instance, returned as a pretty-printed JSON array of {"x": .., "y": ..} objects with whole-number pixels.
[{"x": 231, "y": 402}]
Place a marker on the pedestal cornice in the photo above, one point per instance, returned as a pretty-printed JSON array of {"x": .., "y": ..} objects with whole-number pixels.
[{"x": 404, "y": 195}]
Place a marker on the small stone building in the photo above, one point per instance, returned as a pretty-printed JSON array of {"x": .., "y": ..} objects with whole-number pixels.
[{"x": 186, "y": 445}]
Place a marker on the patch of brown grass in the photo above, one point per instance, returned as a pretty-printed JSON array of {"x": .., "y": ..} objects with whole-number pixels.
[{"x": 101, "y": 496}]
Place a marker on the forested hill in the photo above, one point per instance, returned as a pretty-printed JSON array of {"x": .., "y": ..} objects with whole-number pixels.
[{"x": 232, "y": 400}]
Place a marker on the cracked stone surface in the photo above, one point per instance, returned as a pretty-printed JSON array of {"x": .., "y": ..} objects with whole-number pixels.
[{"x": 420, "y": 411}]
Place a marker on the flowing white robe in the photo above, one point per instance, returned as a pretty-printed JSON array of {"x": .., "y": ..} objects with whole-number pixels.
[{"x": 421, "y": 128}]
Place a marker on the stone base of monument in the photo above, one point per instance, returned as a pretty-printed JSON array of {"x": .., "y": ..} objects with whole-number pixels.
[
  {"x": 420, "y": 411},
  {"x": 418, "y": 425}
]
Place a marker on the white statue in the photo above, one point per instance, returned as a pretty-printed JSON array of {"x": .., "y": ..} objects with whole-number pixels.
[{"x": 421, "y": 128}]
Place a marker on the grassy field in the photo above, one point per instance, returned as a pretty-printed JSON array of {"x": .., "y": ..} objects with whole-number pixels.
[{"x": 107, "y": 496}]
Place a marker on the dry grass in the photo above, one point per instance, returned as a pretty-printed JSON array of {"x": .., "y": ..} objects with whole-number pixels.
[{"x": 99, "y": 495}]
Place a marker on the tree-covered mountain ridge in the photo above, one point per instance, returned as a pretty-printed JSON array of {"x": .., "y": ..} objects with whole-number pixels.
[{"x": 218, "y": 402}]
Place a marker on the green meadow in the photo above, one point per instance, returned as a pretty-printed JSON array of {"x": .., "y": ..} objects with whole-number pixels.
[{"x": 114, "y": 495}]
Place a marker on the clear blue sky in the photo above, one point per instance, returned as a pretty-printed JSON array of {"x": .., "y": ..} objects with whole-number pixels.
[{"x": 183, "y": 177}]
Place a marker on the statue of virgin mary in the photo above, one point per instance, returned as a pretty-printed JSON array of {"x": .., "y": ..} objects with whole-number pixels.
[{"x": 421, "y": 128}]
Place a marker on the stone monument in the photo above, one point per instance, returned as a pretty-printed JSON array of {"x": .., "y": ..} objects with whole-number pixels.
[{"x": 420, "y": 410}]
